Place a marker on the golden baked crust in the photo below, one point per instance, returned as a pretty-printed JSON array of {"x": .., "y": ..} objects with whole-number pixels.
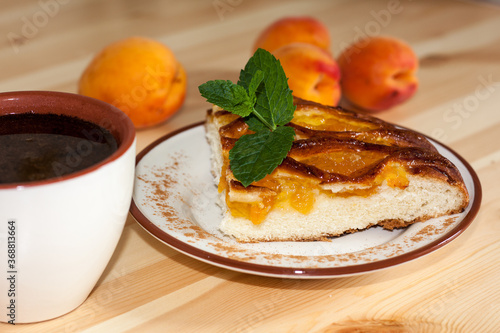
[{"x": 334, "y": 147}]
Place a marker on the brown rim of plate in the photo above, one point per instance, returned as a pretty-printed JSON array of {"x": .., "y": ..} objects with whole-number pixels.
[
  {"x": 299, "y": 272},
  {"x": 83, "y": 107}
]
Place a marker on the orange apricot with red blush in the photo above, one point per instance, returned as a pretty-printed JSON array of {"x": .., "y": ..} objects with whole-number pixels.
[{"x": 378, "y": 73}]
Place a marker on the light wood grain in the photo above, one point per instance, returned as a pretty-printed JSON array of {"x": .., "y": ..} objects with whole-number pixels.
[{"x": 148, "y": 287}]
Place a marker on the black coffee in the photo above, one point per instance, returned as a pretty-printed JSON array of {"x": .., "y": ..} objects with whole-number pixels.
[{"x": 43, "y": 146}]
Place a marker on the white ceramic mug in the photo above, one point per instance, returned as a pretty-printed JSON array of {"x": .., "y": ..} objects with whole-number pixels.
[{"x": 58, "y": 235}]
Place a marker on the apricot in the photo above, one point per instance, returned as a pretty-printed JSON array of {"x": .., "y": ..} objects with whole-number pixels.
[
  {"x": 140, "y": 76},
  {"x": 378, "y": 73},
  {"x": 313, "y": 74},
  {"x": 291, "y": 30}
]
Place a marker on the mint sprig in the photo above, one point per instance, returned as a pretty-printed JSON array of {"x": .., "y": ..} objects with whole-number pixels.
[{"x": 264, "y": 100}]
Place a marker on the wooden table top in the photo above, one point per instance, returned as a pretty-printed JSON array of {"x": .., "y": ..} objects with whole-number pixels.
[{"x": 149, "y": 287}]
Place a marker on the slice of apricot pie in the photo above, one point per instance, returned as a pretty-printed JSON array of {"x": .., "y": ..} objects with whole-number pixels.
[{"x": 345, "y": 172}]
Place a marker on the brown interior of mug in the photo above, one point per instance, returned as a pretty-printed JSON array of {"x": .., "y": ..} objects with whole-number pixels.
[{"x": 82, "y": 107}]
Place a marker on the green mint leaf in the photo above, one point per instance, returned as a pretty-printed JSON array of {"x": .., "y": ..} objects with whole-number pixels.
[
  {"x": 254, "y": 84},
  {"x": 274, "y": 103},
  {"x": 254, "y": 124},
  {"x": 256, "y": 155},
  {"x": 227, "y": 95},
  {"x": 264, "y": 100}
]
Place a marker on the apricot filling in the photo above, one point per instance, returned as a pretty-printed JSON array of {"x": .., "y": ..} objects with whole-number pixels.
[
  {"x": 328, "y": 122},
  {"x": 255, "y": 211},
  {"x": 344, "y": 162},
  {"x": 300, "y": 194},
  {"x": 287, "y": 192},
  {"x": 395, "y": 176}
]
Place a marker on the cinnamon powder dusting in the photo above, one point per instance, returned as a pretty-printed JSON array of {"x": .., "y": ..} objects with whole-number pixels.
[
  {"x": 432, "y": 230},
  {"x": 162, "y": 193}
]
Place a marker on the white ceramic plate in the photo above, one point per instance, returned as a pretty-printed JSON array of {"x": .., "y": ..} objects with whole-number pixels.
[{"x": 175, "y": 201}]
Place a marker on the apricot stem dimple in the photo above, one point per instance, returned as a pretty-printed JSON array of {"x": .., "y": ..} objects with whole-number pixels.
[
  {"x": 317, "y": 83},
  {"x": 401, "y": 75}
]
